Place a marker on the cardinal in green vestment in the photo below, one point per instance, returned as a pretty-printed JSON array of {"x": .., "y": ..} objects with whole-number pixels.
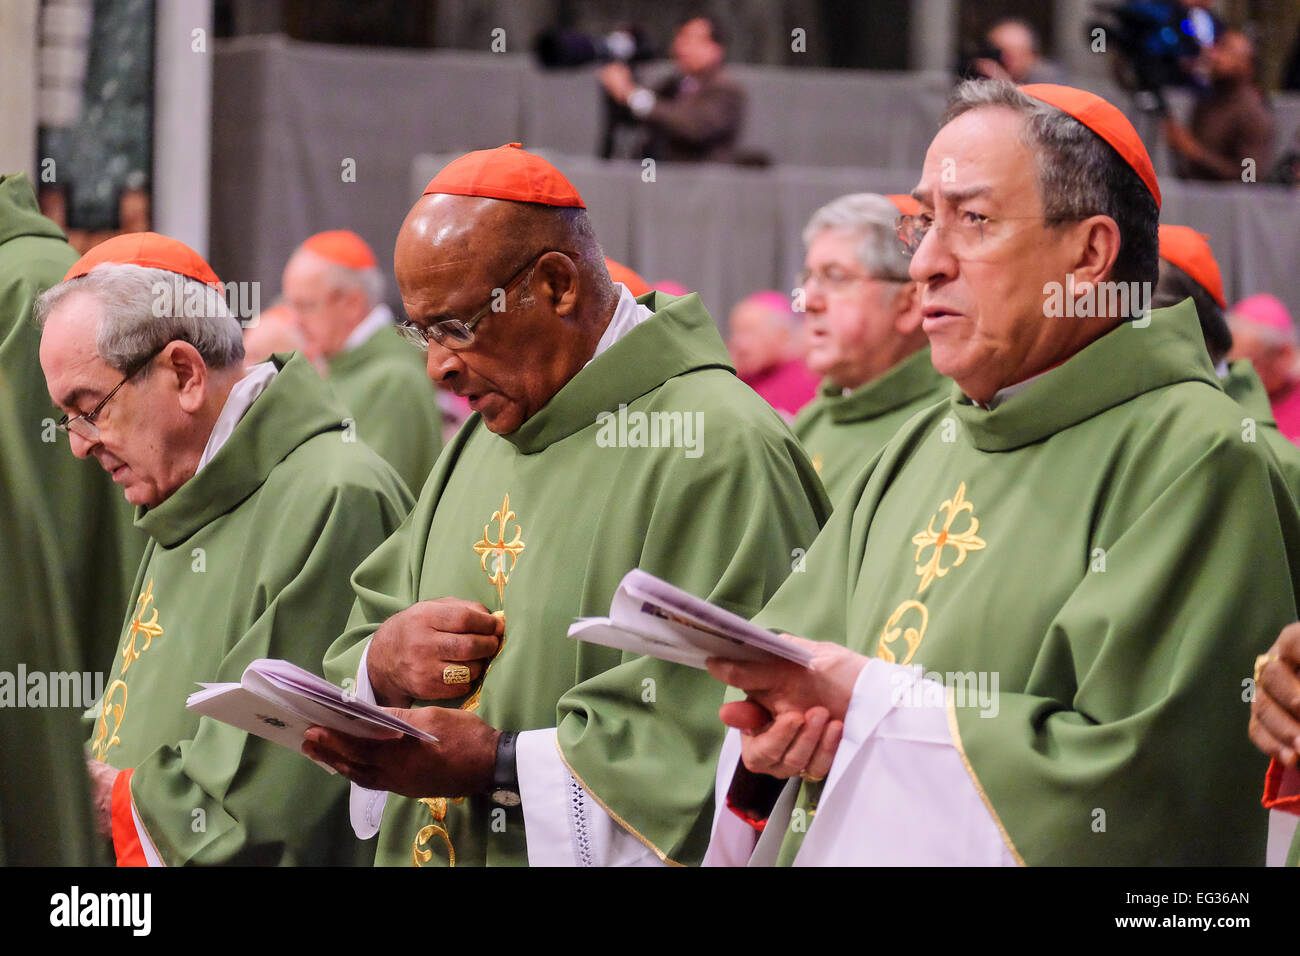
[
  {"x": 609, "y": 433},
  {"x": 257, "y": 504},
  {"x": 1042, "y": 601},
  {"x": 1188, "y": 269},
  {"x": 862, "y": 326},
  {"x": 334, "y": 289}
]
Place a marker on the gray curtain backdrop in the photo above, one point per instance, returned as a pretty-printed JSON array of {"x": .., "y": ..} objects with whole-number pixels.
[{"x": 293, "y": 121}]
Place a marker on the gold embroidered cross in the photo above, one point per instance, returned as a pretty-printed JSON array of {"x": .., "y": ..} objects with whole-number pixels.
[
  {"x": 500, "y": 549},
  {"x": 962, "y": 542},
  {"x": 150, "y": 628}
]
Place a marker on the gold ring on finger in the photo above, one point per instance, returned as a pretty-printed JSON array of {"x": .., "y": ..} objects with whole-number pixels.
[{"x": 455, "y": 674}]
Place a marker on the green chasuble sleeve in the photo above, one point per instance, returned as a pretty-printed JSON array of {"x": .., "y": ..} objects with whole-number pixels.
[
  {"x": 248, "y": 559},
  {"x": 394, "y": 403},
  {"x": 843, "y": 431},
  {"x": 95, "y": 543},
  {"x": 1108, "y": 547},
  {"x": 45, "y": 816},
  {"x": 654, "y": 456}
]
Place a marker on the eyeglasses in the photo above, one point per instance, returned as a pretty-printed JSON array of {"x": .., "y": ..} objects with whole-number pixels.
[
  {"x": 458, "y": 333},
  {"x": 84, "y": 425},
  {"x": 836, "y": 281},
  {"x": 966, "y": 236}
]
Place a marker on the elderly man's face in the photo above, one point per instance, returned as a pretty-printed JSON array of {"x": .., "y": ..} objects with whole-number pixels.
[
  {"x": 1274, "y": 362},
  {"x": 757, "y": 338},
  {"x": 324, "y": 314},
  {"x": 848, "y": 323},
  {"x": 138, "y": 426},
  {"x": 983, "y": 306},
  {"x": 447, "y": 268}
]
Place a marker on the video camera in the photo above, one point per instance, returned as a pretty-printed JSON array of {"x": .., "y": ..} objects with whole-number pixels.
[
  {"x": 1154, "y": 39},
  {"x": 565, "y": 49}
]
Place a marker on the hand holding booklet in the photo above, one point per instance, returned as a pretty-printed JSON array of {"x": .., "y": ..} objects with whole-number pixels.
[
  {"x": 652, "y": 617},
  {"x": 278, "y": 700}
]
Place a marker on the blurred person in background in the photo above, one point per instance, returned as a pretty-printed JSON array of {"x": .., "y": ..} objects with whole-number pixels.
[
  {"x": 1019, "y": 58},
  {"x": 275, "y": 330},
  {"x": 864, "y": 337},
  {"x": 335, "y": 289},
  {"x": 694, "y": 115},
  {"x": 1263, "y": 332},
  {"x": 1188, "y": 269},
  {"x": 1231, "y": 123},
  {"x": 764, "y": 342}
]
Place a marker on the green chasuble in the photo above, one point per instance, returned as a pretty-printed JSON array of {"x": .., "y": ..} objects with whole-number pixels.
[
  {"x": 1244, "y": 387},
  {"x": 250, "y": 558},
  {"x": 45, "y": 816},
  {"x": 654, "y": 456},
  {"x": 1106, "y": 545},
  {"x": 95, "y": 545},
  {"x": 384, "y": 384},
  {"x": 843, "y": 432}
]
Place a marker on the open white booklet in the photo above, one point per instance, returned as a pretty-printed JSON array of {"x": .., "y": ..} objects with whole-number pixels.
[
  {"x": 278, "y": 700},
  {"x": 650, "y": 616}
]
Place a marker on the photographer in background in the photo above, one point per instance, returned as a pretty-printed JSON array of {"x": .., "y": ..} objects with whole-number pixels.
[
  {"x": 1011, "y": 52},
  {"x": 1231, "y": 123},
  {"x": 696, "y": 114}
]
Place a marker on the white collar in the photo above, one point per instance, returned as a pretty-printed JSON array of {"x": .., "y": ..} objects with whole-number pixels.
[
  {"x": 375, "y": 320},
  {"x": 1002, "y": 394},
  {"x": 628, "y": 314},
  {"x": 238, "y": 402}
]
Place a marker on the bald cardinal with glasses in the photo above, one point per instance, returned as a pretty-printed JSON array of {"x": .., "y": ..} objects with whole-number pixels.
[
  {"x": 1034, "y": 614},
  {"x": 609, "y": 433},
  {"x": 257, "y": 503}
]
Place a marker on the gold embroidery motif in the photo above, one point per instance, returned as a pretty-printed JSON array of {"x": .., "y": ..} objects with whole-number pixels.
[
  {"x": 498, "y": 550},
  {"x": 104, "y": 740},
  {"x": 150, "y": 628},
  {"x": 962, "y": 542},
  {"x": 817, "y": 463},
  {"x": 911, "y": 635},
  {"x": 438, "y": 810}
]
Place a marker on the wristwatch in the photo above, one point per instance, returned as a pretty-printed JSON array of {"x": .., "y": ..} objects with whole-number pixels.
[{"x": 505, "y": 772}]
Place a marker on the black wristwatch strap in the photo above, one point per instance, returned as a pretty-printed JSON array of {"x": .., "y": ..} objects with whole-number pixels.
[{"x": 505, "y": 772}]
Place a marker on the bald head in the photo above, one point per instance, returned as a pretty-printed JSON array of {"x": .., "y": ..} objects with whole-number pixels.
[
  {"x": 493, "y": 237},
  {"x": 458, "y": 257}
]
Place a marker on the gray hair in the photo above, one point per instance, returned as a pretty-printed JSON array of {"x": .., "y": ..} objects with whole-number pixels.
[
  {"x": 1079, "y": 174},
  {"x": 370, "y": 281},
  {"x": 874, "y": 218},
  {"x": 145, "y": 308}
]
